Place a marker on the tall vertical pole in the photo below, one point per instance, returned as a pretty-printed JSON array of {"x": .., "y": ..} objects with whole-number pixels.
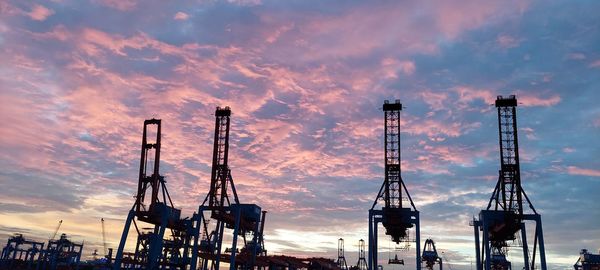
[
  {"x": 371, "y": 242},
  {"x": 418, "y": 236},
  {"x": 525, "y": 247},
  {"x": 477, "y": 244},
  {"x": 538, "y": 224},
  {"x": 119, "y": 257},
  {"x": 486, "y": 246},
  {"x": 238, "y": 216}
]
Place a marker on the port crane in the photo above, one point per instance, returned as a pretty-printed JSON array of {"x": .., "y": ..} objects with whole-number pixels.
[
  {"x": 222, "y": 209},
  {"x": 154, "y": 208},
  {"x": 361, "y": 264},
  {"x": 341, "y": 261},
  {"x": 500, "y": 224},
  {"x": 395, "y": 218}
]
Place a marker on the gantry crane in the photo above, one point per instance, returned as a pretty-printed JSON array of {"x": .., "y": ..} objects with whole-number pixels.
[
  {"x": 587, "y": 261},
  {"x": 362, "y": 262},
  {"x": 504, "y": 217},
  {"x": 430, "y": 255},
  {"x": 396, "y": 219},
  {"x": 18, "y": 250},
  {"x": 341, "y": 261},
  {"x": 225, "y": 209},
  {"x": 154, "y": 208}
]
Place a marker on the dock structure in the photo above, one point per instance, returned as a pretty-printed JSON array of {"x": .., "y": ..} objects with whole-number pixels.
[{"x": 167, "y": 241}]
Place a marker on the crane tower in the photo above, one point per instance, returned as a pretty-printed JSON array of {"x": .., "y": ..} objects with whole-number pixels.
[
  {"x": 154, "y": 208},
  {"x": 341, "y": 262},
  {"x": 224, "y": 208},
  {"x": 504, "y": 218},
  {"x": 396, "y": 218}
]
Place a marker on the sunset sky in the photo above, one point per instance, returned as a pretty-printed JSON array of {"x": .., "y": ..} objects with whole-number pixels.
[{"x": 305, "y": 81}]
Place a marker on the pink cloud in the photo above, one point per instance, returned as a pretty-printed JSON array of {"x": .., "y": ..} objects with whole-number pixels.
[
  {"x": 436, "y": 100},
  {"x": 391, "y": 66},
  {"x": 40, "y": 13},
  {"x": 507, "y": 41},
  {"x": 351, "y": 34},
  {"x": 59, "y": 32},
  {"x": 582, "y": 171},
  {"x": 454, "y": 19},
  {"x": 595, "y": 64},
  {"x": 468, "y": 94},
  {"x": 278, "y": 32},
  {"x": 547, "y": 100},
  {"x": 527, "y": 99},
  {"x": 181, "y": 16},
  {"x": 437, "y": 130}
]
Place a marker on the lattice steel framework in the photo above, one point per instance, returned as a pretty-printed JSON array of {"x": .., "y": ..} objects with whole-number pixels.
[
  {"x": 222, "y": 202},
  {"x": 503, "y": 220},
  {"x": 341, "y": 261},
  {"x": 362, "y": 261},
  {"x": 395, "y": 218},
  {"x": 508, "y": 195},
  {"x": 153, "y": 251},
  {"x": 393, "y": 188},
  {"x": 220, "y": 178}
]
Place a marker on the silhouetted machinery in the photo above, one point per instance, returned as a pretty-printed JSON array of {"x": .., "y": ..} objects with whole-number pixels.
[
  {"x": 152, "y": 250},
  {"x": 20, "y": 251},
  {"x": 225, "y": 209},
  {"x": 396, "y": 219},
  {"x": 430, "y": 255},
  {"x": 504, "y": 217},
  {"x": 587, "y": 261},
  {"x": 341, "y": 261},
  {"x": 361, "y": 264},
  {"x": 60, "y": 252}
]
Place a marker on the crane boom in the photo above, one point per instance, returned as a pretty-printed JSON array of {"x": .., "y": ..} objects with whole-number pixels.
[
  {"x": 56, "y": 230},
  {"x": 103, "y": 236}
]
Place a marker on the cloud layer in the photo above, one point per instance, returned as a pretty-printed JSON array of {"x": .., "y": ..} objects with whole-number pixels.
[{"x": 305, "y": 81}]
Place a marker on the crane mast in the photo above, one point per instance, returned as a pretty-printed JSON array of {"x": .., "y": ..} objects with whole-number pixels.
[
  {"x": 503, "y": 221},
  {"x": 395, "y": 218},
  {"x": 154, "y": 208},
  {"x": 362, "y": 262},
  {"x": 341, "y": 262},
  {"x": 222, "y": 202},
  {"x": 220, "y": 178}
]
